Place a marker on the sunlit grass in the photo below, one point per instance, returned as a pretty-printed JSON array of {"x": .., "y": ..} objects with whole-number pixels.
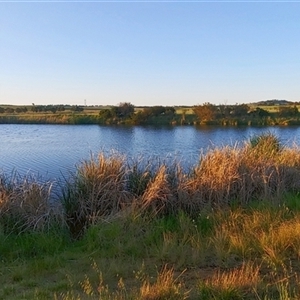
[
  {"x": 236, "y": 253},
  {"x": 227, "y": 229}
]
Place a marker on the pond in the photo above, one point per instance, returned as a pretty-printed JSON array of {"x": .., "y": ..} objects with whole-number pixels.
[{"x": 53, "y": 150}]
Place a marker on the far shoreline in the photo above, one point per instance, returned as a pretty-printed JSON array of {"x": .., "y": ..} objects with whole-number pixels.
[{"x": 126, "y": 114}]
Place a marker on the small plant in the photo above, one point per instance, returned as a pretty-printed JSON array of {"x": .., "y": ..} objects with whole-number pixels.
[
  {"x": 232, "y": 284},
  {"x": 165, "y": 287},
  {"x": 267, "y": 144}
]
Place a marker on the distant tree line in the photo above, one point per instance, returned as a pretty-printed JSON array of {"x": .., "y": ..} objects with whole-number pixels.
[
  {"x": 47, "y": 108},
  {"x": 127, "y": 113},
  {"x": 11, "y": 110},
  {"x": 41, "y": 108},
  {"x": 243, "y": 114}
]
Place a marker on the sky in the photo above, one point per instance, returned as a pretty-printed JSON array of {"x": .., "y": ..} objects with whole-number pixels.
[{"x": 148, "y": 52}]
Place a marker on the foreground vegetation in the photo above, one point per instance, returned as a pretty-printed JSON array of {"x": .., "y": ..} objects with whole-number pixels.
[
  {"x": 279, "y": 113},
  {"x": 229, "y": 228}
]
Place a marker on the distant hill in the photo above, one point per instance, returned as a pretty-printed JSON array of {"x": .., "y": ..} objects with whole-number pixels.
[{"x": 273, "y": 102}]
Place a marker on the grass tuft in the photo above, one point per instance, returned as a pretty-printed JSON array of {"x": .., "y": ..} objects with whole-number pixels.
[
  {"x": 97, "y": 189},
  {"x": 25, "y": 204}
]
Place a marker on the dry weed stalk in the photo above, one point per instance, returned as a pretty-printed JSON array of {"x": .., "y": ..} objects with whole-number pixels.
[{"x": 157, "y": 197}]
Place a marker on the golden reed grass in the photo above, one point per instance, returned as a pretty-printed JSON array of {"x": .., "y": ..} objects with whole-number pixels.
[
  {"x": 106, "y": 185},
  {"x": 25, "y": 204}
]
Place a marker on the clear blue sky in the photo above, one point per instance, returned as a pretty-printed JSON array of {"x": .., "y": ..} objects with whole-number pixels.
[{"x": 149, "y": 53}]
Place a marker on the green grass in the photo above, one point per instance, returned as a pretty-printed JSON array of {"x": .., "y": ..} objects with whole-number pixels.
[{"x": 235, "y": 254}]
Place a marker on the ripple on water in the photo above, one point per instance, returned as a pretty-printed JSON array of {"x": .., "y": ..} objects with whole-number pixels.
[{"x": 53, "y": 150}]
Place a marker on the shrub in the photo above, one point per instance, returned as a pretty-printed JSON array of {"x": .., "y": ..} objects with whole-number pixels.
[
  {"x": 25, "y": 204},
  {"x": 97, "y": 189},
  {"x": 266, "y": 144}
]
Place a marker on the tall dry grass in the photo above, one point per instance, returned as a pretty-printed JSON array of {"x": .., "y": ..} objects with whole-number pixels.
[
  {"x": 158, "y": 197},
  {"x": 240, "y": 175},
  {"x": 105, "y": 185},
  {"x": 97, "y": 189},
  {"x": 25, "y": 204}
]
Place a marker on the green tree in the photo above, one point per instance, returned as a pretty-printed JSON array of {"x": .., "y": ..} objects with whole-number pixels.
[
  {"x": 9, "y": 110},
  {"x": 76, "y": 108},
  {"x": 240, "y": 110},
  {"x": 158, "y": 110},
  {"x": 288, "y": 111},
  {"x": 260, "y": 112},
  {"x": 61, "y": 108},
  {"x": 125, "y": 110},
  {"x": 37, "y": 108},
  {"x": 170, "y": 110}
]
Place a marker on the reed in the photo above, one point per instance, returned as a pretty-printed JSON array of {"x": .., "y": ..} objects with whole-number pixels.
[
  {"x": 157, "y": 197},
  {"x": 240, "y": 175},
  {"x": 104, "y": 186},
  {"x": 25, "y": 204},
  {"x": 97, "y": 189}
]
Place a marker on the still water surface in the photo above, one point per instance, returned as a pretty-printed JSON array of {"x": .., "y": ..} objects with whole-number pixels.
[{"x": 53, "y": 150}]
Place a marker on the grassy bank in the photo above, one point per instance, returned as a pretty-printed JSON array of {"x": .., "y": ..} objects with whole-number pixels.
[
  {"x": 233, "y": 254},
  {"x": 50, "y": 118},
  {"x": 229, "y": 228}
]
